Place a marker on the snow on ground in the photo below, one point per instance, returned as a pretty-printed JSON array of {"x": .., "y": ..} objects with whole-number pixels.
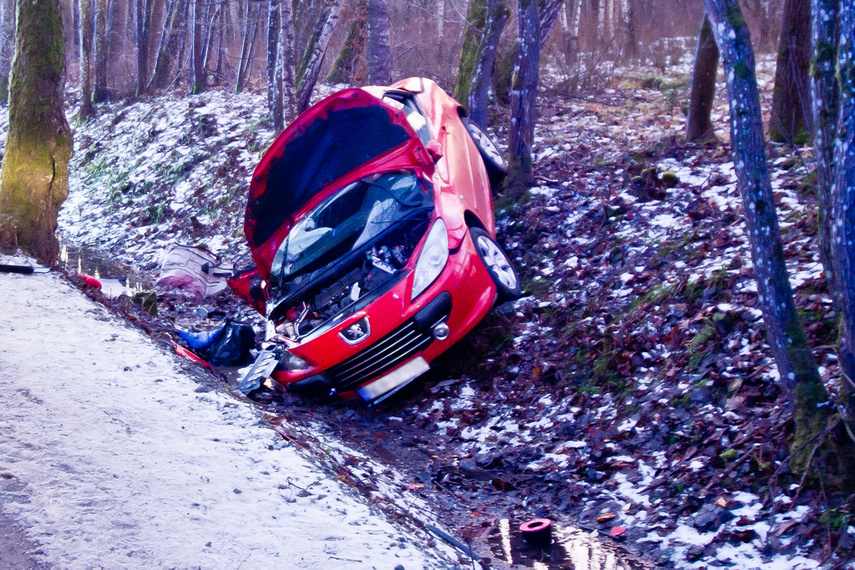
[{"x": 112, "y": 456}]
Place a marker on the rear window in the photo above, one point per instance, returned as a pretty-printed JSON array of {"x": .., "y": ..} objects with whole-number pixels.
[{"x": 329, "y": 148}]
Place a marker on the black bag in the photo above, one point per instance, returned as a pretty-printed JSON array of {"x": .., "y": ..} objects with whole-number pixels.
[{"x": 232, "y": 346}]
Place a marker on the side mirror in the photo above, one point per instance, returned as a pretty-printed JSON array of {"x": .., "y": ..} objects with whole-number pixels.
[{"x": 435, "y": 150}]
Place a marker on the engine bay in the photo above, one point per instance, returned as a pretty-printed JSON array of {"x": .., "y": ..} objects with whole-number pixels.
[{"x": 354, "y": 284}]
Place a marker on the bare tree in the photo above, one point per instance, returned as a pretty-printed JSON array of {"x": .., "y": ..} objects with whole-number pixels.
[
  {"x": 7, "y": 46},
  {"x": 796, "y": 364},
  {"x": 377, "y": 51},
  {"x": 143, "y": 14},
  {"x": 284, "y": 73},
  {"x": 790, "y": 116},
  {"x": 34, "y": 175},
  {"x": 99, "y": 89},
  {"x": 482, "y": 79},
  {"x": 834, "y": 61},
  {"x": 196, "y": 25},
  {"x": 523, "y": 97},
  {"x": 253, "y": 17},
  {"x": 310, "y": 65},
  {"x": 699, "y": 127},
  {"x": 274, "y": 93},
  {"x": 843, "y": 242},
  {"x": 85, "y": 60},
  {"x": 167, "y": 47},
  {"x": 548, "y": 11},
  {"x": 825, "y": 108},
  {"x": 485, "y": 20},
  {"x": 354, "y": 45}
]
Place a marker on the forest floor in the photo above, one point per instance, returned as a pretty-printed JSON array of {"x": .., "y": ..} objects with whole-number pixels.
[{"x": 629, "y": 394}]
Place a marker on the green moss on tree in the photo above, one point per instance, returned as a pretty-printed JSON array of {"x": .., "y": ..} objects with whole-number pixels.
[
  {"x": 34, "y": 176},
  {"x": 476, "y": 18}
]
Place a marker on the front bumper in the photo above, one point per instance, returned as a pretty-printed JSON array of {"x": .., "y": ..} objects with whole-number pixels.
[{"x": 403, "y": 341}]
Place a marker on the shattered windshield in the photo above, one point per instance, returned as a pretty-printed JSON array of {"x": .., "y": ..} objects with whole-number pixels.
[{"x": 349, "y": 220}]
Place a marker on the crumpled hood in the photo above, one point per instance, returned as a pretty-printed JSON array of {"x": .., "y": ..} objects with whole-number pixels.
[{"x": 340, "y": 139}]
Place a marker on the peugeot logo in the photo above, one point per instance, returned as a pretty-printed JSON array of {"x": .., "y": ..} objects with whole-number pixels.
[{"x": 357, "y": 332}]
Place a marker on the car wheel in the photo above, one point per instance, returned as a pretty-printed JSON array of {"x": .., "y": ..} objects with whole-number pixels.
[
  {"x": 497, "y": 166},
  {"x": 497, "y": 263}
]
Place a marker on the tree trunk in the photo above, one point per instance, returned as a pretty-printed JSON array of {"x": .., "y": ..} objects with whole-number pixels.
[
  {"x": 354, "y": 45},
  {"x": 85, "y": 61},
  {"x": 826, "y": 104},
  {"x": 699, "y": 127},
  {"x": 34, "y": 175},
  {"x": 377, "y": 51},
  {"x": 197, "y": 45},
  {"x": 548, "y": 14},
  {"x": 843, "y": 242},
  {"x": 523, "y": 98},
  {"x": 310, "y": 65},
  {"x": 274, "y": 93},
  {"x": 288, "y": 57},
  {"x": 143, "y": 25},
  {"x": 212, "y": 15},
  {"x": 253, "y": 15},
  {"x": 791, "y": 95},
  {"x": 796, "y": 365},
  {"x": 474, "y": 40},
  {"x": 7, "y": 46},
  {"x": 482, "y": 79},
  {"x": 629, "y": 30},
  {"x": 99, "y": 89},
  {"x": 572, "y": 14},
  {"x": 167, "y": 48}
]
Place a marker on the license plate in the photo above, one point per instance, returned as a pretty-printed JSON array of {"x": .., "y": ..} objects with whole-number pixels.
[{"x": 395, "y": 380}]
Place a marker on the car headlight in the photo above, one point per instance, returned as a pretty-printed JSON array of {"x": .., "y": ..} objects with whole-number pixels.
[
  {"x": 432, "y": 259},
  {"x": 292, "y": 362}
]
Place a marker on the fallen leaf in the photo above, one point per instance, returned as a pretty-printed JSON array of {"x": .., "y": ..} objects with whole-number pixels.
[{"x": 605, "y": 517}]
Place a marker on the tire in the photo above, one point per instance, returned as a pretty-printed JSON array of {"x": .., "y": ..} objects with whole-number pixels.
[
  {"x": 497, "y": 166},
  {"x": 498, "y": 265}
]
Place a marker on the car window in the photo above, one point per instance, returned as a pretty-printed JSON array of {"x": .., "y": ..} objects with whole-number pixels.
[
  {"x": 410, "y": 108},
  {"x": 349, "y": 220}
]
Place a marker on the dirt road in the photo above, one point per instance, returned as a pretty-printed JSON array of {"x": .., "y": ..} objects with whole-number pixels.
[{"x": 112, "y": 456}]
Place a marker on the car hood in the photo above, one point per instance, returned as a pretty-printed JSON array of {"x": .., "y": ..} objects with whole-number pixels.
[{"x": 344, "y": 137}]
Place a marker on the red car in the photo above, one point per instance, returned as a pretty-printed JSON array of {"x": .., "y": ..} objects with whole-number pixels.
[{"x": 370, "y": 220}]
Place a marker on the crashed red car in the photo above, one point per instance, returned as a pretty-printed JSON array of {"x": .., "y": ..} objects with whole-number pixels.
[{"x": 370, "y": 220}]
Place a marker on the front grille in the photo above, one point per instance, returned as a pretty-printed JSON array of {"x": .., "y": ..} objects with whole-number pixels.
[{"x": 383, "y": 355}]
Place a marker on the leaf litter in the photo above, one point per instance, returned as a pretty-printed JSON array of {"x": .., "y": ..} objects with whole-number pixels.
[{"x": 632, "y": 379}]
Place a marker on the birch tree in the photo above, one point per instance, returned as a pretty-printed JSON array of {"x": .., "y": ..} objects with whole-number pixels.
[
  {"x": 284, "y": 75},
  {"x": 7, "y": 46},
  {"x": 274, "y": 93},
  {"x": 34, "y": 175}
]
